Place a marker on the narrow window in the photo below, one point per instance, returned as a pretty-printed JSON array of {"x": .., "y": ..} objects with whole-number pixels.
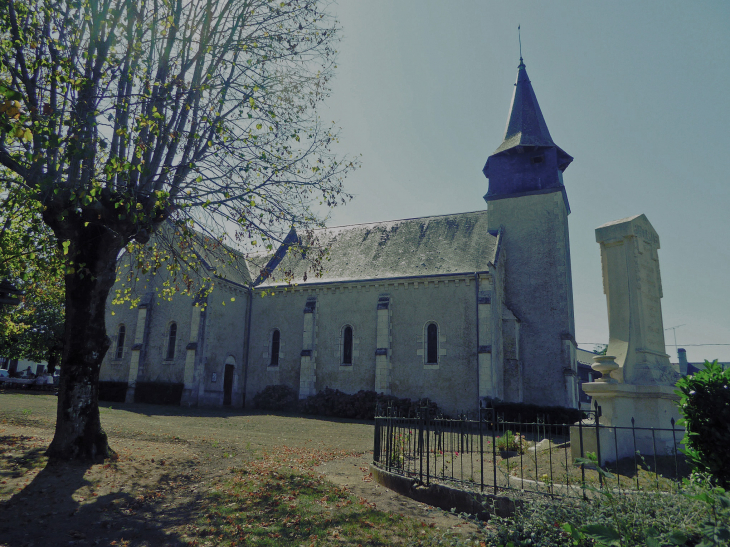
[
  {"x": 347, "y": 346},
  {"x": 120, "y": 342},
  {"x": 432, "y": 337},
  {"x": 275, "y": 344},
  {"x": 171, "y": 341}
]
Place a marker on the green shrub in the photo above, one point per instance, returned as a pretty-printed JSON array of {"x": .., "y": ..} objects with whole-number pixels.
[
  {"x": 158, "y": 393},
  {"x": 276, "y": 397},
  {"x": 528, "y": 413},
  {"x": 695, "y": 516},
  {"x": 705, "y": 406},
  {"x": 113, "y": 392},
  {"x": 361, "y": 405},
  {"x": 511, "y": 442}
]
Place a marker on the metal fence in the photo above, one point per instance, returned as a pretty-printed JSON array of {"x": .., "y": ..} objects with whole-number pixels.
[{"x": 484, "y": 452}]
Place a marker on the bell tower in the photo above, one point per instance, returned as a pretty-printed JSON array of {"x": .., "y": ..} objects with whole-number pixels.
[{"x": 527, "y": 201}]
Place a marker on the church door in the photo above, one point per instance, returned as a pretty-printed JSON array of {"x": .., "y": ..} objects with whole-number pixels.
[{"x": 228, "y": 384}]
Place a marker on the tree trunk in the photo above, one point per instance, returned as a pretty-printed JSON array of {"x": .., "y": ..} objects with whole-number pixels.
[
  {"x": 54, "y": 355},
  {"x": 94, "y": 251}
]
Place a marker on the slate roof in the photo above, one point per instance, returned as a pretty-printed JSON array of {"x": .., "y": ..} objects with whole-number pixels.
[
  {"x": 526, "y": 125},
  {"x": 234, "y": 269},
  {"x": 425, "y": 246}
]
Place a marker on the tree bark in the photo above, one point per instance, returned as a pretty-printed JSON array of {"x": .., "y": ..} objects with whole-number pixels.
[{"x": 94, "y": 250}]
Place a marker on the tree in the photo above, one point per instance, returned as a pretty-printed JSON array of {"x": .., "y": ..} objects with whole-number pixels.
[
  {"x": 124, "y": 115},
  {"x": 30, "y": 259}
]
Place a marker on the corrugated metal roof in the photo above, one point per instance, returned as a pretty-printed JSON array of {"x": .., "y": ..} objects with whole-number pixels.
[{"x": 434, "y": 245}]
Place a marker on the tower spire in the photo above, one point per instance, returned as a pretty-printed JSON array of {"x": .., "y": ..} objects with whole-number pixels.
[
  {"x": 528, "y": 159},
  {"x": 519, "y": 37}
]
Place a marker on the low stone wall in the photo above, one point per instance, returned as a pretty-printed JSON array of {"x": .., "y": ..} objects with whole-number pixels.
[{"x": 444, "y": 497}]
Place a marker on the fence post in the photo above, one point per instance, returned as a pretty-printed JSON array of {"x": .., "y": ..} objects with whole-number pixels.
[
  {"x": 676, "y": 465},
  {"x": 428, "y": 446},
  {"x": 420, "y": 447},
  {"x": 656, "y": 469},
  {"x": 481, "y": 450},
  {"x": 615, "y": 442},
  {"x": 376, "y": 441},
  {"x": 493, "y": 418},
  {"x": 582, "y": 455},
  {"x": 598, "y": 440},
  {"x": 636, "y": 463},
  {"x": 388, "y": 437}
]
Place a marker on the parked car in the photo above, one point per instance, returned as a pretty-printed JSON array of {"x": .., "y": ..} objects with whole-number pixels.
[{"x": 3, "y": 375}]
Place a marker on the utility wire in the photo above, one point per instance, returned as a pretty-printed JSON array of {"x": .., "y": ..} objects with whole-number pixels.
[{"x": 669, "y": 345}]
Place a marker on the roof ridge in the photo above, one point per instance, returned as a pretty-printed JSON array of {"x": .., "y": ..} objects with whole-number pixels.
[{"x": 400, "y": 220}]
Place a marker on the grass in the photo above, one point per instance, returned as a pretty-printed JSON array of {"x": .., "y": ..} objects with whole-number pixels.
[
  {"x": 21, "y": 455},
  {"x": 647, "y": 474},
  {"x": 272, "y": 503}
]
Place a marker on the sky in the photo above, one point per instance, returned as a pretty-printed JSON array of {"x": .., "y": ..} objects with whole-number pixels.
[{"x": 636, "y": 92}]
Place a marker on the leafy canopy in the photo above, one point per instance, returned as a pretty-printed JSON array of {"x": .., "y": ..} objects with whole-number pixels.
[
  {"x": 30, "y": 259},
  {"x": 119, "y": 115}
]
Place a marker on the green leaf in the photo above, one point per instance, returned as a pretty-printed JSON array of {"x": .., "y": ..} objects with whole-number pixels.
[
  {"x": 603, "y": 534},
  {"x": 65, "y": 245},
  {"x": 678, "y": 537},
  {"x": 574, "y": 532}
]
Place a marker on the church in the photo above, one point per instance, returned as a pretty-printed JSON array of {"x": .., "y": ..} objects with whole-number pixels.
[{"x": 457, "y": 308}]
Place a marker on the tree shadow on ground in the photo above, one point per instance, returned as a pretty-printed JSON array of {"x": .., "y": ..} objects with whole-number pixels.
[
  {"x": 152, "y": 410},
  {"x": 50, "y": 512},
  {"x": 19, "y": 462},
  {"x": 645, "y": 467}
]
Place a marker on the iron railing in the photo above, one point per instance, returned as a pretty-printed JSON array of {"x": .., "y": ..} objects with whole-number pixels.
[{"x": 485, "y": 452}]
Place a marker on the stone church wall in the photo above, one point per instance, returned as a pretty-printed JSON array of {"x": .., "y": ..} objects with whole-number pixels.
[
  {"x": 388, "y": 318},
  {"x": 223, "y": 340},
  {"x": 215, "y": 339},
  {"x": 538, "y": 291},
  {"x": 113, "y": 369}
]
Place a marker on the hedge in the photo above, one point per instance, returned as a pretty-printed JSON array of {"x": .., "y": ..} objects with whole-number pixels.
[
  {"x": 158, "y": 393},
  {"x": 113, "y": 392},
  {"x": 276, "y": 397},
  {"x": 705, "y": 407},
  {"x": 529, "y": 413},
  {"x": 360, "y": 405},
  {"x": 333, "y": 402}
]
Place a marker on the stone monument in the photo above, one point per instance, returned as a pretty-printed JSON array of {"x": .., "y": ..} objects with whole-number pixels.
[{"x": 638, "y": 379}]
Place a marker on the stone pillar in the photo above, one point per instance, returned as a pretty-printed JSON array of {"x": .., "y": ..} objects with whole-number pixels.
[
  {"x": 640, "y": 385},
  {"x": 633, "y": 288},
  {"x": 190, "y": 391},
  {"x": 513, "y": 372},
  {"x": 136, "y": 365},
  {"x": 487, "y": 382},
  {"x": 382, "y": 343},
  {"x": 308, "y": 366}
]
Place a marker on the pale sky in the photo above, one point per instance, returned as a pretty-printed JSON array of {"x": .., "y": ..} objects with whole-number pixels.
[{"x": 636, "y": 92}]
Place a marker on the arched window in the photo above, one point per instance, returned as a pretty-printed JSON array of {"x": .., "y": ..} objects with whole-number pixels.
[
  {"x": 347, "y": 345},
  {"x": 432, "y": 344},
  {"x": 275, "y": 345},
  {"x": 119, "y": 353},
  {"x": 171, "y": 338}
]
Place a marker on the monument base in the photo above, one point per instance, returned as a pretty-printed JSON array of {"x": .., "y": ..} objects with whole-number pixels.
[{"x": 652, "y": 408}]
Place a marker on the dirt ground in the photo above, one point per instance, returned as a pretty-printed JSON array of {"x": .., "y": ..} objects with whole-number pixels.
[{"x": 169, "y": 459}]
